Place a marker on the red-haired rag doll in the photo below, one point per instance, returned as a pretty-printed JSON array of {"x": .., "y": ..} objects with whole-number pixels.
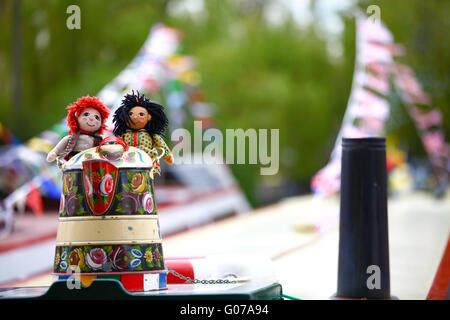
[{"x": 86, "y": 120}]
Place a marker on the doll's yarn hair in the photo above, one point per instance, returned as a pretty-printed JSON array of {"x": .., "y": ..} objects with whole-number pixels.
[
  {"x": 76, "y": 108},
  {"x": 158, "y": 123}
]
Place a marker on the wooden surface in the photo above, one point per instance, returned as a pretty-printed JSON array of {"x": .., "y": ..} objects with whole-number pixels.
[{"x": 304, "y": 260}]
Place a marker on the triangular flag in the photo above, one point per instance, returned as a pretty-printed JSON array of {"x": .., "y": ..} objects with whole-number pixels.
[{"x": 34, "y": 200}]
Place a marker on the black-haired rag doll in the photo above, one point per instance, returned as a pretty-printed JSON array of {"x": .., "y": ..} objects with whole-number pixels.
[{"x": 140, "y": 123}]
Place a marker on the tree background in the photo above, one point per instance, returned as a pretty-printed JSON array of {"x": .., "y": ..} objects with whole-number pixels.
[{"x": 260, "y": 70}]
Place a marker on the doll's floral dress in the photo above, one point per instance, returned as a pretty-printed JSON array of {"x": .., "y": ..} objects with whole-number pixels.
[{"x": 143, "y": 140}]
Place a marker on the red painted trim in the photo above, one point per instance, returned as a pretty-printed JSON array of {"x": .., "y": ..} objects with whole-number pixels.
[
  {"x": 135, "y": 139},
  {"x": 440, "y": 286},
  {"x": 133, "y": 282}
]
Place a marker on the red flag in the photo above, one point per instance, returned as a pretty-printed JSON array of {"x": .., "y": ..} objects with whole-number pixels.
[{"x": 34, "y": 200}]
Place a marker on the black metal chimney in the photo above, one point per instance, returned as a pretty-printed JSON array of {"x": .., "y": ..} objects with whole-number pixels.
[{"x": 363, "y": 270}]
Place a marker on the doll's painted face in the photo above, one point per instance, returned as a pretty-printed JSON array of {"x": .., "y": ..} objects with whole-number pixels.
[
  {"x": 139, "y": 117},
  {"x": 90, "y": 120}
]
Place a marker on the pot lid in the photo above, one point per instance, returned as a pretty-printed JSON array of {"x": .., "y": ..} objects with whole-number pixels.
[{"x": 130, "y": 157}]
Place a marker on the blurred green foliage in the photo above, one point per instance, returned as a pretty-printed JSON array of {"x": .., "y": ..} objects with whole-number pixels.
[{"x": 258, "y": 75}]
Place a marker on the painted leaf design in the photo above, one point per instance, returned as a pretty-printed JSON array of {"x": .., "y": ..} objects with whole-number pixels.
[
  {"x": 94, "y": 199},
  {"x": 130, "y": 175},
  {"x": 105, "y": 200}
]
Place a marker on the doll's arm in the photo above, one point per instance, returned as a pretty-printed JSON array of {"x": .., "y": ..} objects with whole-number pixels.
[
  {"x": 58, "y": 149},
  {"x": 160, "y": 143}
]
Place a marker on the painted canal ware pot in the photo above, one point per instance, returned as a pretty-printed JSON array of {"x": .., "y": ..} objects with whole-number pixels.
[{"x": 108, "y": 223}]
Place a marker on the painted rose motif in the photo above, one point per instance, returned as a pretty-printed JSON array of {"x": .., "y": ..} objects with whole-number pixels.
[
  {"x": 107, "y": 258},
  {"x": 88, "y": 186},
  {"x": 68, "y": 183},
  {"x": 120, "y": 258},
  {"x": 138, "y": 182},
  {"x": 106, "y": 185},
  {"x": 147, "y": 202},
  {"x": 129, "y": 202},
  {"x": 100, "y": 178},
  {"x": 72, "y": 204},
  {"x": 76, "y": 259},
  {"x": 96, "y": 258}
]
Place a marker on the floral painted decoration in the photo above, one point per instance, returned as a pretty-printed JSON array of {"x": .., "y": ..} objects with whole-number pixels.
[
  {"x": 99, "y": 177},
  {"x": 132, "y": 194},
  {"x": 71, "y": 203},
  {"x": 108, "y": 258}
]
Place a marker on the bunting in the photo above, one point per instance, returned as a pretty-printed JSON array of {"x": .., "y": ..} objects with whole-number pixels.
[
  {"x": 7, "y": 137},
  {"x": 428, "y": 120},
  {"x": 34, "y": 200},
  {"x": 368, "y": 107}
]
